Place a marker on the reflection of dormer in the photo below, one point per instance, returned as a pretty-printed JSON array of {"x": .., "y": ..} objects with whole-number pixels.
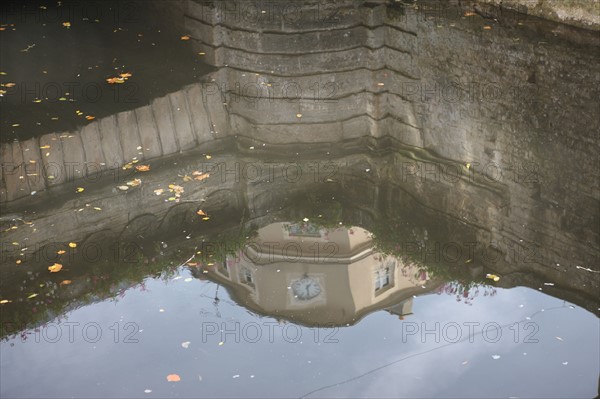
[{"x": 338, "y": 289}]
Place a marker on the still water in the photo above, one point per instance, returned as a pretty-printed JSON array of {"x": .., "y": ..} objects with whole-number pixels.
[{"x": 377, "y": 237}]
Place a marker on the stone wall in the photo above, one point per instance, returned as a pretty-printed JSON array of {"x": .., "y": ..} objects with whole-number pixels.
[{"x": 580, "y": 13}]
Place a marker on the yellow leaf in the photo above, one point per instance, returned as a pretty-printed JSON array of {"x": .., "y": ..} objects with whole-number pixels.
[
  {"x": 44, "y": 147},
  {"x": 487, "y": 27},
  {"x": 65, "y": 282},
  {"x": 66, "y": 24},
  {"x": 492, "y": 277},
  {"x": 18, "y": 261},
  {"x": 10, "y": 85},
  {"x": 201, "y": 212},
  {"x": 125, "y": 75},
  {"x": 32, "y": 296},
  {"x": 55, "y": 268},
  {"x": 80, "y": 189},
  {"x": 208, "y": 157},
  {"x": 173, "y": 378},
  {"x": 186, "y": 37},
  {"x": 73, "y": 244},
  {"x": 62, "y": 251},
  {"x": 205, "y": 218},
  {"x": 2, "y": 302},
  {"x": 142, "y": 168}
]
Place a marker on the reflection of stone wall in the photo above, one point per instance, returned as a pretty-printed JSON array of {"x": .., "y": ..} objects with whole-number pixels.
[{"x": 177, "y": 122}]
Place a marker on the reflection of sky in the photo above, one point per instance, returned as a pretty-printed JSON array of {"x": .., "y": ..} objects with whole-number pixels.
[{"x": 284, "y": 369}]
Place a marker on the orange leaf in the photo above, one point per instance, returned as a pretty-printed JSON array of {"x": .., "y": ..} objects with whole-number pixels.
[
  {"x": 90, "y": 117},
  {"x": 186, "y": 37},
  {"x": 125, "y": 75},
  {"x": 201, "y": 212},
  {"x": 55, "y": 268},
  {"x": 65, "y": 282},
  {"x": 62, "y": 251},
  {"x": 202, "y": 176},
  {"x": 470, "y": 14},
  {"x": 142, "y": 168},
  {"x": 173, "y": 378}
]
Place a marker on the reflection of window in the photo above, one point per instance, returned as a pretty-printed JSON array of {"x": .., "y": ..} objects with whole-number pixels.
[
  {"x": 384, "y": 275},
  {"x": 246, "y": 276}
]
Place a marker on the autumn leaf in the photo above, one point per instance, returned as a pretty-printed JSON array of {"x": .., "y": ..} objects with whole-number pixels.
[
  {"x": 115, "y": 80},
  {"x": 186, "y": 37},
  {"x": 201, "y": 176},
  {"x": 487, "y": 27},
  {"x": 9, "y": 84},
  {"x": 44, "y": 147},
  {"x": 66, "y": 24},
  {"x": 134, "y": 182},
  {"x": 469, "y": 14},
  {"x": 55, "y": 268},
  {"x": 90, "y": 117},
  {"x": 65, "y": 282},
  {"x": 32, "y": 296},
  {"x": 492, "y": 277},
  {"x": 2, "y": 302},
  {"x": 73, "y": 245},
  {"x": 123, "y": 188},
  {"x": 158, "y": 191},
  {"x": 125, "y": 75},
  {"x": 80, "y": 189},
  {"x": 173, "y": 378},
  {"x": 142, "y": 168},
  {"x": 62, "y": 251},
  {"x": 201, "y": 212}
]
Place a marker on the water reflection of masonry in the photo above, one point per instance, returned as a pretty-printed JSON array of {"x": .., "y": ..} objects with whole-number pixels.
[{"x": 339, "y": 287}]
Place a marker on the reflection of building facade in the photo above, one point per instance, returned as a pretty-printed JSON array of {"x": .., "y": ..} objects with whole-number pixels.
[{"x": 318, "y": 276}]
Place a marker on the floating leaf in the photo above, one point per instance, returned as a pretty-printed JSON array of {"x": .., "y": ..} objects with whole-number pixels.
[
  {"x": 142, "y": 168},
  {"x": 185, "y": 344},
  {"x": 44, "y": 147},
  {"x": 173, "y": 378},
  {"x": 492, "y": 277},
  {"x": 65, "y": 282},
  {"x": 66, "y": 24},
  {"x": 80, "y": 189},
  {"x": 32, "y": 296},
  {"x": 73, "y": 244},
  {"x": 90, "y": 117},
  {"x": 18, "y": 261},
  {"x": 201, "y": 176},
  {"x": 2, "y": 302},
  {"x": 134, "y": 182},
  {"x": 186, "y": 37},
  {"x": 159, "y": 191},
  {"x": 125, "y": 75},
  {"x": 469, "y": 14},
  {"x": 55, "y": 268},
  {"x": 495, "y": 357},
  {"x": 123, "y": 188},
  {"x": 201, "y": 212},
  {"x": 487, "y": 27},
  {"x": 62, "y": 251}
]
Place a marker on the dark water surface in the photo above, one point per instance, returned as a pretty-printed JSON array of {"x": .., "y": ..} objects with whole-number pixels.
[{"x": 424, "y": 248}]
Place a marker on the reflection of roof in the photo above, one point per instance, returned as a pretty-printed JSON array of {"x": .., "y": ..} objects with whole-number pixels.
[{"x": 304, "y": 241}]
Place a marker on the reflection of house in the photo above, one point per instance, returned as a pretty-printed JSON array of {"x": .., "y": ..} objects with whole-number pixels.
[{"x": 317, "y": 276}]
